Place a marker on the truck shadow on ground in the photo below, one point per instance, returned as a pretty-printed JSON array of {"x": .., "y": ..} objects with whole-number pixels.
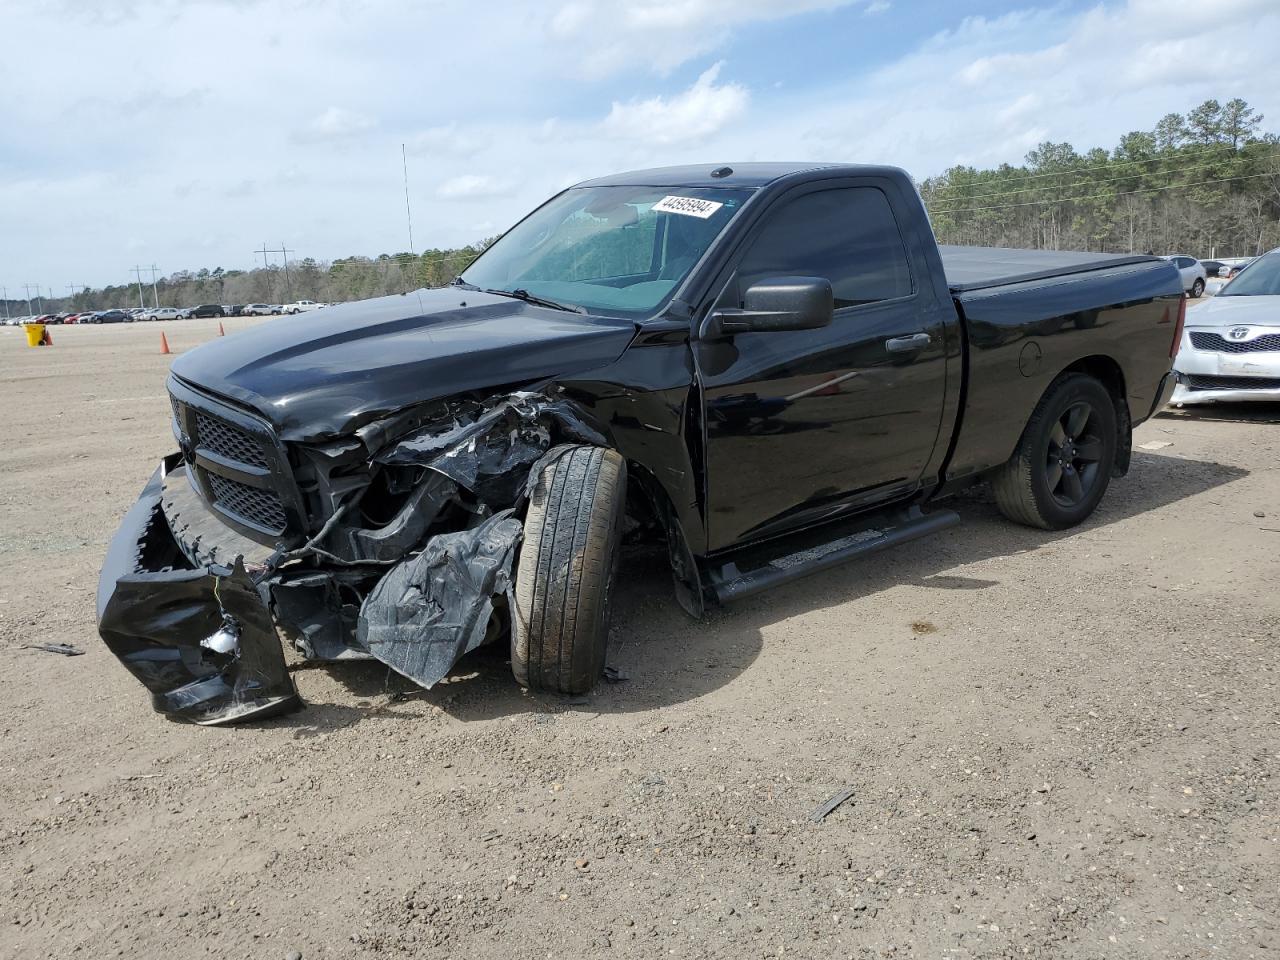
[{"x": 669, "y": 658}]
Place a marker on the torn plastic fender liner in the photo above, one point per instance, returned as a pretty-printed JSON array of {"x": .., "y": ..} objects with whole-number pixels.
[
  {"x": 430, "y": 610},
  {"x": 156, "y": 620}
]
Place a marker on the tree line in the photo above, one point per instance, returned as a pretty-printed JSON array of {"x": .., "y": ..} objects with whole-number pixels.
[{"x": 1206, "y": 183}]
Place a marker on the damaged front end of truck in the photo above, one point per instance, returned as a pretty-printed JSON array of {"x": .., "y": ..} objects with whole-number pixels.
[{"x": 395, "y": 543}]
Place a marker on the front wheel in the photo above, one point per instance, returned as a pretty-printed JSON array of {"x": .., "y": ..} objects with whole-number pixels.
[
  {"x": 1197, "y": 288},
  {"x": 560, "y": 620},
  {"x": 1062, "y": 464}
]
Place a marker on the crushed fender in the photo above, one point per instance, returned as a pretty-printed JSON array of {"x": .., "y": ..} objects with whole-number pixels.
[
  {"x": 428, "y": 611},
  {"x": 490, "y": 447}
]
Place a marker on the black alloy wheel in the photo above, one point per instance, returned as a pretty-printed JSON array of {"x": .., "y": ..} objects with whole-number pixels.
[{"x": 1074, "y": 453}]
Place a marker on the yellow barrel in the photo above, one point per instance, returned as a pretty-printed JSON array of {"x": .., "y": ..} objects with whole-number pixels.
[{"x": 35, "y": 334}]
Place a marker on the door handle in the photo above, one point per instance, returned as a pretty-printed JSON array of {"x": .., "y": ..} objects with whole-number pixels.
[{"x": 911, "y": 344}]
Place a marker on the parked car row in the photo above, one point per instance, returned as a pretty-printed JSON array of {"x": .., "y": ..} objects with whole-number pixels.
[
  {"x": 132, "y": 314},
  {"x": 58, "y": 319}
]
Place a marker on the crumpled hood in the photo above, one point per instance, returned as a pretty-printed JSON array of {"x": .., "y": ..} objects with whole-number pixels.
[
  {"x": 1236, "y": 312},
  {"x": 325, "y": 373}
]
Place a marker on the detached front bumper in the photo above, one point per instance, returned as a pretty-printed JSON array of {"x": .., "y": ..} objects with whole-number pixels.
[{"x": 201, "y": 640}]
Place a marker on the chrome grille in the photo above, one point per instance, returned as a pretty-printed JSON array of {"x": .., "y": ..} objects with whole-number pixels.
[
  {"x": 229, "y": 441},
  {"x": 1203, "y": 340},
  {"x": 254, "y": 504},
  {"x": 1196, "y": 381}
]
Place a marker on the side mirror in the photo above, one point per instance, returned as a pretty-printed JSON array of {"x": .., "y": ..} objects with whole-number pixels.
[{"x": 779, "y": 303}]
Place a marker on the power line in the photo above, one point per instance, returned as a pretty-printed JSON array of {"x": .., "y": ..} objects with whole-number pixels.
[
  {"x": 1085, "y": 182},
  {"x": 1107, "y": 196}
]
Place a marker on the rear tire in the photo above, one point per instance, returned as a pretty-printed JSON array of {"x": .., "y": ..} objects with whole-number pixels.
[
  {"x": 1197, "y": 289},
  {"x": 560, "y": 620},
  {"x": 1062, "y": 464}
]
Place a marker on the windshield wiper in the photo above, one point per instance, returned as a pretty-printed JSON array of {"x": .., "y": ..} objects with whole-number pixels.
[
  {"x": 459, "y": 282},
  {"x": 527, "y": 297}
]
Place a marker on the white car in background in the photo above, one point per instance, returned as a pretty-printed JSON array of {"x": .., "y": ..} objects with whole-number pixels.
[
  {"x": 259, "y": 310},
  {"x": 164, "y": 313},
  {"x": 302, "y": 306},
  {"x": 1230, "y": 346},
  {"x": 1192, "y": 270}
]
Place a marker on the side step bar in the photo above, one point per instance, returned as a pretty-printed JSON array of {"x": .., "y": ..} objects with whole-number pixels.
[{"x": 730, "y": 581}]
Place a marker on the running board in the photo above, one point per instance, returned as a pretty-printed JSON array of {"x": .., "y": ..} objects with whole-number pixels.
[{"x": 746, "y": 575}]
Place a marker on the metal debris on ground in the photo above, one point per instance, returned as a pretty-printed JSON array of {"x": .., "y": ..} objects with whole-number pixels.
[
  {"x": 66, "y": 649},
  {"x": 614, "y": 675},
  {"x": 820, "y": 813}
]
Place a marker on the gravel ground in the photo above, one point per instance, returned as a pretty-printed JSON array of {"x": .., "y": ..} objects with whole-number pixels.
[{"x": 1059, "y": 745}]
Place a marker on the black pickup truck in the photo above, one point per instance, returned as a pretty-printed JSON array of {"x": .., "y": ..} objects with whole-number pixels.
[{"x": 773, "y": 368}]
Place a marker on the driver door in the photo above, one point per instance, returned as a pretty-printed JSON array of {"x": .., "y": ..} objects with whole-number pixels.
[{"x": 805, "y": 425}]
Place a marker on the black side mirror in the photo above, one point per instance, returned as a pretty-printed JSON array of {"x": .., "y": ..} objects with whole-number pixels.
[{"x": 779, "y": 303}]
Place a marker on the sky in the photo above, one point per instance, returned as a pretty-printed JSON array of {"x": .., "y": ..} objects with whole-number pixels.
[{"x": 188, "y": 133}]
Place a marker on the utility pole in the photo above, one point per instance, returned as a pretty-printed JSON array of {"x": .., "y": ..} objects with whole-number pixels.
[
  {"x": 72, "y": 289},
  {"x": 155, "y": 295},
  {"x": 4, "y": 292},
  {"x": 39, "y": 305},
  {"x": 266, "y": 266},
  {"x": 142, "y": 304},
  {"x": 284, "y": 255}
]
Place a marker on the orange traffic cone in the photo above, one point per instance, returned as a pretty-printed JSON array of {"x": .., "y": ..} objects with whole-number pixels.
[
  {"x": 164, "y": 344},
  {"x": 48, "y": 338},
  {"x": 221, "y": 332}
]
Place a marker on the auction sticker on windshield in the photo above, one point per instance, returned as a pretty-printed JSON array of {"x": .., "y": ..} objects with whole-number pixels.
[{"x": 688, "y": 206}]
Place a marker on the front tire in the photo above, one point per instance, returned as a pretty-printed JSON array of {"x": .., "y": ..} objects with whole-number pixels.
[
  {"x": 1062, "y": 464},
  {"x": 560, "y": 624}
]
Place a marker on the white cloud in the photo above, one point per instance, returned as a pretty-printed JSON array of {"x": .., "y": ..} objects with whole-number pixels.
[
  {"x": 300, "y": 141},
  {"x": 449, "y": 139},
  {"x": 336, "y": 123},
  {"x": 471, "y": 186},
  {"x": 693, "y": 115},
  {"x": 612, "y": 36},
  {"x": 877, "y": 6}
]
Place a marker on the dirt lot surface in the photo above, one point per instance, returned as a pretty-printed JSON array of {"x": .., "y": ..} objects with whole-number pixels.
[{"x": 1059, "y": 745}]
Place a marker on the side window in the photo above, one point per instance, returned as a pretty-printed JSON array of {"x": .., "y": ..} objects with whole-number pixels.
[{"x": 848, "y": 235}]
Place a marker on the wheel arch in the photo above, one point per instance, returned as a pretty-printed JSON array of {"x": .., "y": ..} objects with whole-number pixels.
[
  {"x": 653, "y": 502},
  {"x": 1110, "y": 374}
]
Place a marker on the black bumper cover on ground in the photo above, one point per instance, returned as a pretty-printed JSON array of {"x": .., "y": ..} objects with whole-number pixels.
[{"x": 154, "y": 612}]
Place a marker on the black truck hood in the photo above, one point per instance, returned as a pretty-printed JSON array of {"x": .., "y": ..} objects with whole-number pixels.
[{"x": 325, "y": 373}]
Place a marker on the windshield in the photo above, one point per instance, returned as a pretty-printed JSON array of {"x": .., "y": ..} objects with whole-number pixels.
[
  {"x": 1262, "y": 279},
  {"x": 612, "y": 250}
]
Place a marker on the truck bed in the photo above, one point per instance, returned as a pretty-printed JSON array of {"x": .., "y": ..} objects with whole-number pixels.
[{"x": 975, "y": 268}]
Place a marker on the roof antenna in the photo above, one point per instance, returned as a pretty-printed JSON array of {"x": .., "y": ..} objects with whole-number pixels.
[
  {"x": 404, "y": 161},
  {"x": 722, "y": 172}
]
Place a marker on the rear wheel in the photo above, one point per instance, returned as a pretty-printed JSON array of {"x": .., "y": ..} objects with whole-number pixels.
[
  {"x": 560, "y": 624},
  {"x": 1062, "y": 465},
  {"x": 1197, "y": 288}
]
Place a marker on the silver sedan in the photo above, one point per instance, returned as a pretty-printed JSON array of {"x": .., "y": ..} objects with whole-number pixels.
[{"x": 1230, "y": 346}]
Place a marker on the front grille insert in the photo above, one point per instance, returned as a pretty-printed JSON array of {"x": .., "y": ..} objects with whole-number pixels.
[
  {"x": 1203, "y": 340},
  {"x": 254, "y": 504},
  {"x": 237, "y": 466},
  {"x": 229, "y": 441},
  {"x": 1196, "y": 381}
]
